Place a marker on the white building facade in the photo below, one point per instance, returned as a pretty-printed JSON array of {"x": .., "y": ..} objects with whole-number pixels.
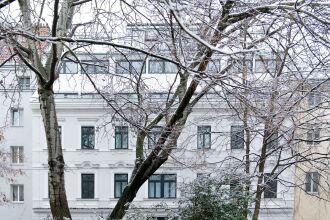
[{"x": 99, "y": 151}]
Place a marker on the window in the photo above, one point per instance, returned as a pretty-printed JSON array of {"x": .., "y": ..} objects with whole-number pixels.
[
  {"x": 121, "y": 181},
  {"x": 16, "y": 117},
  {"x": 270, "y": 186},
  {"x": 213, "y": 67},
  {"x": 265, "y": 65},
  {"x": 17, "y": 154},
  {"x": 203, "y": 137},
  {"x": 96, "y": 66},
  {"x": 87, "y": 137},
  {"x": 87, "y": 186},
  {"x": 68, "y": 67},
  {"x": 24, "y": 82},
  {"x": 237, "y": 137},
  {"x": 312, "y": 182},
  {"x": 162, "y": 186},
  {"x": 314, "y": 99},
  {"x": 60, "y": 133},
  {"x": 161, "y": 66},
  {"x": 154, "y": 134},
  {"x": 313, "y": 135},
  {"x": 130, "y": 66},
  {"x": 17, "y": 193},
  {"x": 238, "y": 66},
  {"x": 272, "y": 140},
  {"x": 235, "y": 186},
  {"x": 121, "y": 137}
]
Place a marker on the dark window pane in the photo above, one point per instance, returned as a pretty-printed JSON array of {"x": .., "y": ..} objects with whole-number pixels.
[
  {"x": 87, "y": 137},
  {"x": 272, "y": 141},
  {"x": 162, "y": 186},
  {"x": 156, "y": 66},
  {"x": 237, "y": 137},
  {"x": 153, "y": 136},
  {"x": 121, "y": 180},
  {"x": 203, "y": 137},
  {"x": 170, "y": 67},
  {"x": 121, "y": 137},
  {"x": 87, "y": 186},
  {"x": 136, "y": 66},
  {"x": 122, "y": 67},
  {"x": 270, "y": 186}
]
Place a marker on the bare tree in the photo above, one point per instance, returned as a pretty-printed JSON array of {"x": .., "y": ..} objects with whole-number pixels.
[{"x": 193, "y": 36}]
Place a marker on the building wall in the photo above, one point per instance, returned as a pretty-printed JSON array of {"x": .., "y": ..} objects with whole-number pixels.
[
  {"x": 104, "y": 161},
  {"x": 313, "y": 205}
]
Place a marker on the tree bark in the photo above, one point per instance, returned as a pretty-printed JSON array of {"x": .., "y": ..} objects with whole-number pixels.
[{"x": 56, "y": 184}]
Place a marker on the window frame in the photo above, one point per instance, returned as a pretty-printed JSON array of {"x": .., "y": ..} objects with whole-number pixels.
[
  {"x": 121, "y": 133},
  {"x": 163, "y": 67},
  {"x": 311, "y": 182},
  {"x": 314, "y": 98},
  {"x": 63, "y": 67},
  {"x": 233, "y": 141},
  {"x": 270, "y": 185},
  {"x": 313, "y": 135},
  {"x": 20, "y": 119},
  {"x": 272, "y": 140},
  {"x": 121, "y": 182},
  {"x": 203, "y": 134},
  {"x": 130, "y": 66},
  {"x": 162, "y": 182},
  {"x": 20, "y": 155},
  {"x": 91, "y": 195},
  {"x": 22, "y": 82},
  {"x": 20, "y": 193},
  {"x": 93, "y": 140},
  {"x": 263, "y": 60},
  {"x": 95, "y": 65},
  {"x": 154, "y": 135}
]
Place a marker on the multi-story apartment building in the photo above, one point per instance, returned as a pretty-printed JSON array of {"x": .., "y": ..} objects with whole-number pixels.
[
  {"x": 312, "y": 172},
  {"x": 99, "y": 149},
  {"x": 16, "y": 130}
]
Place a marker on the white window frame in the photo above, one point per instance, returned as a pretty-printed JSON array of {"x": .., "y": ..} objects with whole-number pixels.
[
  {"x": 18, "y": 192},
  {"x": 312, "y": 182},
  {"x": 19, "y": 121},
  {"x": 20, "y": 155},
  {"x": 22, "y": 82}
]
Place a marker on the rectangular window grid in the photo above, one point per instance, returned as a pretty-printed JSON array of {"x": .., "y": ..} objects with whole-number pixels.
[
  {"x": 121, "y": 137},
  {"x": 162, "y": 186},
  {"x": 87, "y": 137},
  {"x": 203, "y": 137},
  {"x": 130, "y": 67},
  {"x": 24, "y": 82},
  {"x": 270, "y": 186},
  {"x": 313, "y": 135},
  {"x": 312, "y": 182},
  {"x": 16, "y": 117},
  {"x": 121, "y": 181},
  {"x": 17, "y": 193},
  {"x": 87, "y": 186},
  {"x": 17, "y": 154},
  {"x": 237, "y": 137},
  {"x": 153, "y": 136}
]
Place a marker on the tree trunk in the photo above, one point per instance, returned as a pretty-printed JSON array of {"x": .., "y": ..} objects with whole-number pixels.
[{"x": 56, "y": 186}]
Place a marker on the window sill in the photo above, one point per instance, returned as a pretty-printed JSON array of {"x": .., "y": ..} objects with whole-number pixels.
[
  {"x": 122, "y": 149},
  {"x": 157, "y": 199},
  {"x": 17, "y": 126},
  {"x": 87, "y": 150},
  {"x": 17, "y": 164},
  {"x": 17, "y": 202},
  {"x": 81, "y": 199}
]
